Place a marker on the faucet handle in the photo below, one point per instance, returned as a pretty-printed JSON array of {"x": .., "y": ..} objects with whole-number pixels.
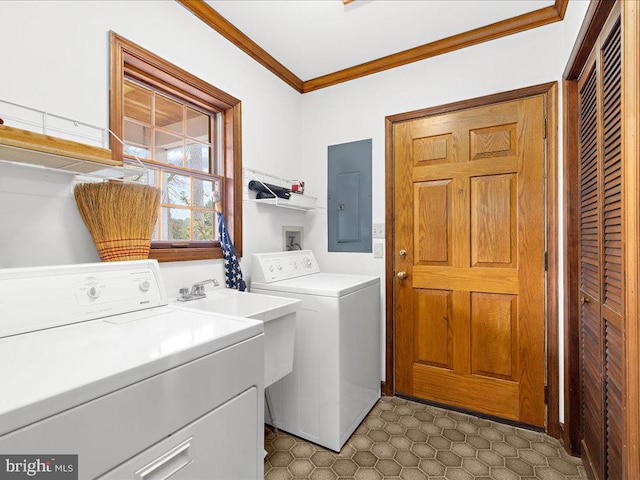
[
  {"x": 215, "y": 283},
  {"x": 197, "y": 289},
  {"x": 183, "y": 293}
]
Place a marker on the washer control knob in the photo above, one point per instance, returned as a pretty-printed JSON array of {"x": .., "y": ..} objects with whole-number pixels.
[
  {"x": 145, "y": 285},
  {"x": 307, "y": 262},
  {"x": 93, "y": 291}
]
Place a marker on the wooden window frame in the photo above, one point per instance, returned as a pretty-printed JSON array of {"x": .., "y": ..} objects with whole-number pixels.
[{"x": 131, "y": 60}]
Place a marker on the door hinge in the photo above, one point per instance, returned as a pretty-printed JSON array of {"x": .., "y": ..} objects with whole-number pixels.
[
  {"x": 545, "y": 127},
  {"x": 546, "y": 394},
  {"x": 546, "y": 261}
]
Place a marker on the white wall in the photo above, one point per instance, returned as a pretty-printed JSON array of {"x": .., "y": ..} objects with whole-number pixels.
[{"x": 56, "y": 58}]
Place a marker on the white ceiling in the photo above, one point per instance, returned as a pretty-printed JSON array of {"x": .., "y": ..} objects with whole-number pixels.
[{"x": 317, "y": 37}]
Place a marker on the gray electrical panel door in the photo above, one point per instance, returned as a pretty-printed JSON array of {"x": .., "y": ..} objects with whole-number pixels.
[{"x": 349, "y": 197}]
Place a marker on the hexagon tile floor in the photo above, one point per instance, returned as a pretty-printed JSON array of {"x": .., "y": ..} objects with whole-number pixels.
[{"x": 405, "y": 440}]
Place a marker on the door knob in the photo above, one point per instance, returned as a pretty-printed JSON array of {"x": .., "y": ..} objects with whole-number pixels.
[
  {"x": 584, "y": 300},
  {"x": 402, "y": 275},
  {"x": 402, "y": 253}
]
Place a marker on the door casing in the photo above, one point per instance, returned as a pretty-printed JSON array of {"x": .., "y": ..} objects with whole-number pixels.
[{"x": 550, "y": 93}]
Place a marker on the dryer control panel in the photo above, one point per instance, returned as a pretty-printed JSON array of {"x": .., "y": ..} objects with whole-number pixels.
[
  {"x": 277, "y": 266},
  {"x": 35, "y": 298}
]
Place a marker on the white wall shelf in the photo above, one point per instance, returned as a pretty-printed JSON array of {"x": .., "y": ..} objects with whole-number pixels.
[
  {"x": 292, "y": 203},
  {"x": 302, "y": 202},
  {"x": 77, "y": 148}
]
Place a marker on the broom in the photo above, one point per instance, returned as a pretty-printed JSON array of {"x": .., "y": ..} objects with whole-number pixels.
[{"x": 119, "y": 216}]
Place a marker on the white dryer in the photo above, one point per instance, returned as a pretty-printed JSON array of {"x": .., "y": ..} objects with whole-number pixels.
[
  {"x": 336, "y": 373},
  {"x": 96, "y": 365}
]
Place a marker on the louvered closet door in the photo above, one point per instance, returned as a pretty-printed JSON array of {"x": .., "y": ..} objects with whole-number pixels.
[
  {"x": 612, "y": 298},
  {"x": 590, "y": 274},
  {"x": 601, "y": 274}
]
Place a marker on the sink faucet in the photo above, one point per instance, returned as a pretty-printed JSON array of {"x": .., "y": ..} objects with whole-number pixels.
[{"x": 197, "y": 290}]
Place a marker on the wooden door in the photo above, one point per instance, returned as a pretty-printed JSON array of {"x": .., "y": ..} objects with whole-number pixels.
[
  {"x": 601, "y": 260},
  {"x": 470, "y": 238}
]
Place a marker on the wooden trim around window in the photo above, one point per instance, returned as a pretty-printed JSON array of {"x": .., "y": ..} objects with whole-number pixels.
[
  {"x": 131, "y": 59},
  {"x": 510, "y": 26},
  {"x": 550, "y": 91}
]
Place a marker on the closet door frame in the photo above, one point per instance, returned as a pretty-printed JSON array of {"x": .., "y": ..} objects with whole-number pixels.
[{"x": 593, "y": 24}]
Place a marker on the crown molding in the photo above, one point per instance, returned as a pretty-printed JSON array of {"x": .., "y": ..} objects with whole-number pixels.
[
  {"x": 221, "y": 25},
  {"x": 510, "y": 26},
  {"x": 561, "y": 7}
]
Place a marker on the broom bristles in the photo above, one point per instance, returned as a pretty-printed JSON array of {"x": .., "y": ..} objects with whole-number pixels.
[{"x": 119, "y": 216}]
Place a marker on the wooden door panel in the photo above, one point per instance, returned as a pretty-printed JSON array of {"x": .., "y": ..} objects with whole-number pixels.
[
  {"x": 494, "y": 333},
  {"x": 469, "y": 205},
  {"x": 492, "y": 166},
  {"x": 493, "y": 142},
  {"x": 493, "y": 221},
  {"x": 433, "y": 336},
  {"x": 592, "y": 408},
  {"x": 433, "y": 150},
  {"x": 589, "y": 182},
  {"x": 464, "y": 121},
  {"x": 483, "y": 393},
  {"x": 614, "y": 399},
  {"x": 493, "y": 280},
  {"x": 432, "y": 222}
]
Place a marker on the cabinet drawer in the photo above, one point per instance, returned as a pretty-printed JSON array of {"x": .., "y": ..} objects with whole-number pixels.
[{"x": 218, "y": 446}]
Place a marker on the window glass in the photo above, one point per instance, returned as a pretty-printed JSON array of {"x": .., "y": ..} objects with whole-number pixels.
[
  {"x": 198, "y": 156},
  {"x": 203, "y": 193},
  {"x": 176, "y": 223},
  {"x": 138, "y": 139},
  {"x": 169, "y": 114},
  {"x": 198, "y": 125},
  {"x": 204, "y": 226},
  {"x": 176, "y": 189},
  {"x": 169, "y": 149},
  {"x": 137, "y": 102}
]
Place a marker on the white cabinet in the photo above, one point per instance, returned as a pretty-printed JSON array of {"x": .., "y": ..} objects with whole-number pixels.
[
  {"x": 218, "y": 446},
  {"x": 217, "y": 400}
]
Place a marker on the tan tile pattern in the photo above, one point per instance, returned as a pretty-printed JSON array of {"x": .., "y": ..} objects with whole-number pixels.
[{"x": 404, "y": 440}]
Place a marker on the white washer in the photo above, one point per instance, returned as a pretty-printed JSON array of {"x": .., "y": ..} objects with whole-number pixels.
[
  {"x": 96, "y": 364},
  {"x": 336, "y": 372}
]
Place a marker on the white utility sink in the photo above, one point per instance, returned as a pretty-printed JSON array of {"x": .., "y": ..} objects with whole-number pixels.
[{"x": 277, "y": 313}]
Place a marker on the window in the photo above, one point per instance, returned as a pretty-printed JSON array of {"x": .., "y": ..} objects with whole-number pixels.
[{"x": 187, "y": 133}]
